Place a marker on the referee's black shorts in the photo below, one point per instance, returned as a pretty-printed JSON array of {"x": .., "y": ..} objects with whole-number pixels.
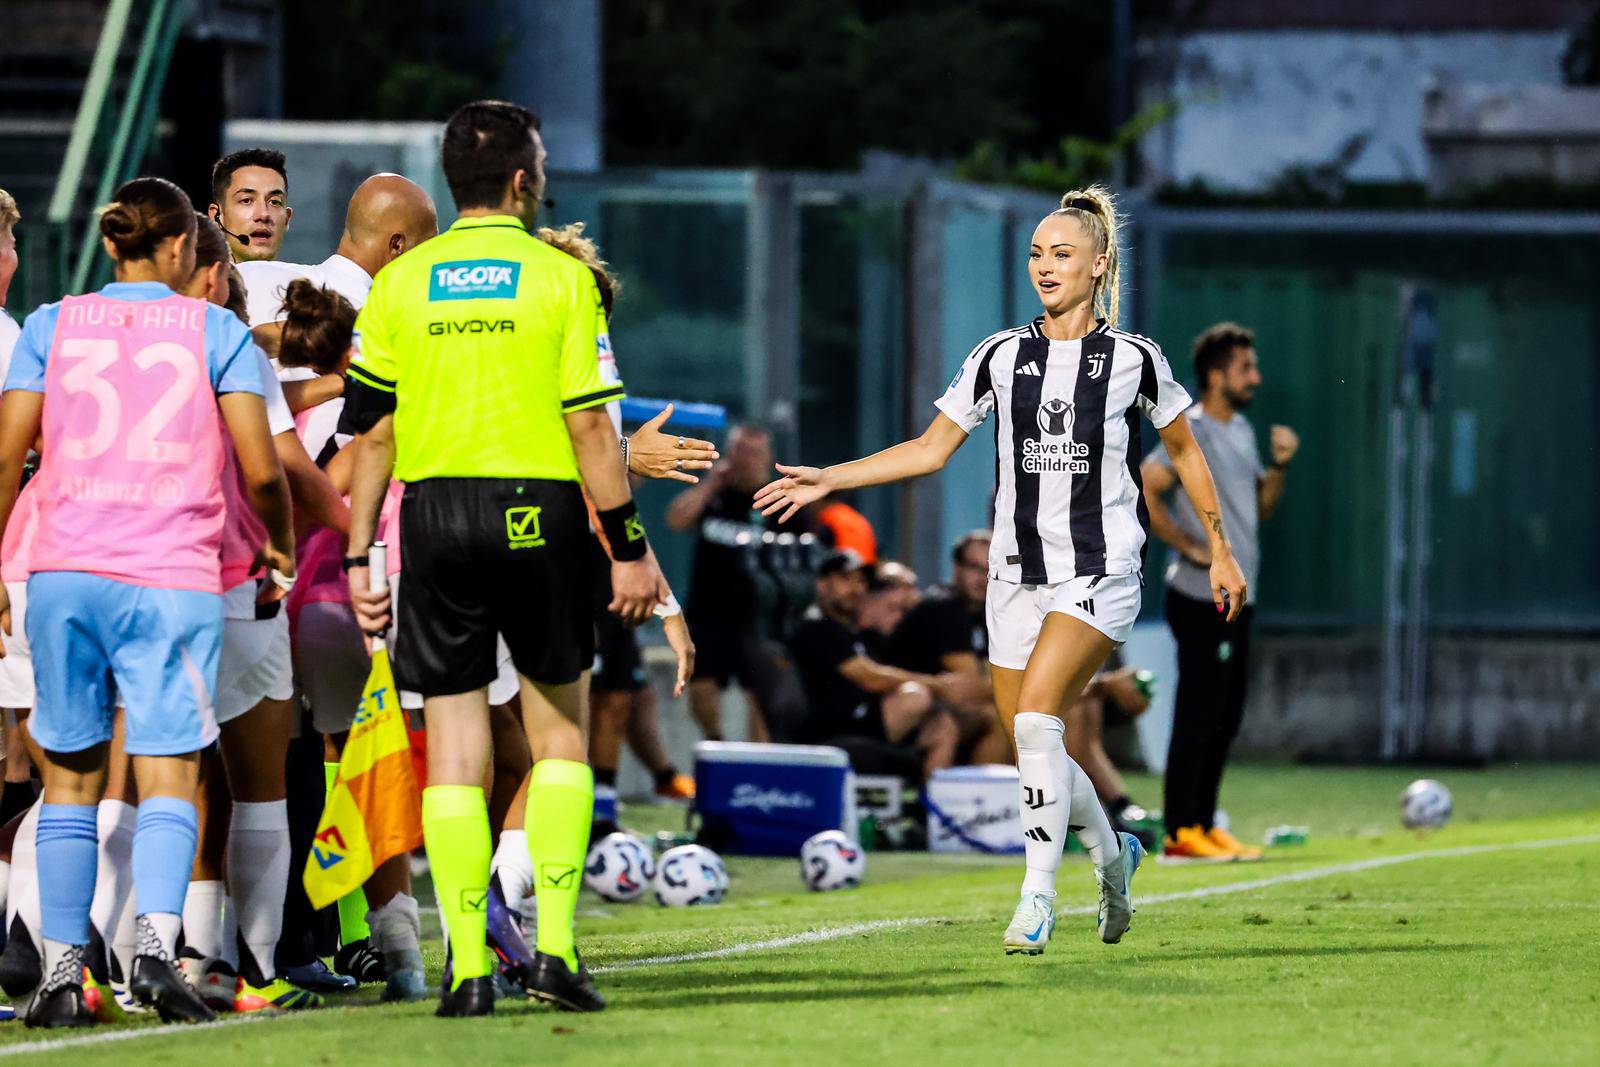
[{"x": 487, "y": 556}]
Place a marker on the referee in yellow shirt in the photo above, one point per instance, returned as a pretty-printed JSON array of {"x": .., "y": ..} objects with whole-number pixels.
[{"x": 477, "y": 383}]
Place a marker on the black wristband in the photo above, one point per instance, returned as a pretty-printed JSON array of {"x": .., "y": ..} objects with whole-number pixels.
[
  {"x": 624, "y": 533},
  {"x": 1284, "y": 466},
  {"x": 350, "y": 563}
]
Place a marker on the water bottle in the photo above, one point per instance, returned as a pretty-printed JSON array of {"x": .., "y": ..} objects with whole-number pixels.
[
  {"x": 1287, "y": 835},
  {"x": 1145, "y": 682}
]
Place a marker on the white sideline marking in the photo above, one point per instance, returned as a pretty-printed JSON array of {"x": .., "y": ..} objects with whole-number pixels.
[{"x": 834, "y": 933}]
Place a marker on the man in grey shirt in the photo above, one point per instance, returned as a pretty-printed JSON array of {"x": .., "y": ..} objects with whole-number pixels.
[{"x": 1213, "y": 655}]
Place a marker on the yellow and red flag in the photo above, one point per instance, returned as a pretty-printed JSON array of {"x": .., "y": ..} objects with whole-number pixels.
[{"x": 374, "y": 809}]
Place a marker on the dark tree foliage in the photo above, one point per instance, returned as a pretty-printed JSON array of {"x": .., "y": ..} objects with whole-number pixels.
[
  {"x": 386, "y": 59},
  {"x": 810, "y": 84}
]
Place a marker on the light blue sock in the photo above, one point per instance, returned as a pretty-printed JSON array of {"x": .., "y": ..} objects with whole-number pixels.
[
  {"x": 67, "y": 849},
  {"x": 163, "y": 853}
]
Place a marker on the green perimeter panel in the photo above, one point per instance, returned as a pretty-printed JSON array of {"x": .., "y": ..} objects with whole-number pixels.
[
  {"x": 1326, "y": 344},
  {"x": 679, "y": 323},
  {"x": 1516, "y": 474},
  {"x": 851, "y": 345},
  {"x": 974, "y": 305}
]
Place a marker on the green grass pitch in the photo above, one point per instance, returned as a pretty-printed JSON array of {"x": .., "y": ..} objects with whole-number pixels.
[{"x": 1479, "y": 949}]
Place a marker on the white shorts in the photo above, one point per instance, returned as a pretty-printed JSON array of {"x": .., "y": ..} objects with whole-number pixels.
[
  {"x": 501, "y": 690},
  {"x": 16, "y": 669},
  {"x": 1109, "y": 603},
  {"x": 255, "y": 664},
  {"x": 331, "y": 664}
]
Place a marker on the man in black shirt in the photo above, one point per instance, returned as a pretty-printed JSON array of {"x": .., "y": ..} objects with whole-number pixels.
[
  {"x": 850, "y": 696},
  {"x": 724, "y": 604},
  {"x": 945, "y": 633}
]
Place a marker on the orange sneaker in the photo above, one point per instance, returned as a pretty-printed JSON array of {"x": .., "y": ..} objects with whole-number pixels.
[
  {"x": 681, "y": 787},
  {"x": 1191, "y": 845},
  {"x": 1228, "y": 843}
]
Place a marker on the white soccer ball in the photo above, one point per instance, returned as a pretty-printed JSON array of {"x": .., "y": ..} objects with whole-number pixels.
[
  {"x": 1425, "y": 805},
  {"x": 619, "y": 868},
  {"x": 831, "y": 860},
  {"x": 690, "y": 874}
]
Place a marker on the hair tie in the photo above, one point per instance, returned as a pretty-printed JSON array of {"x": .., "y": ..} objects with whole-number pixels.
[{"x": 1083, "y": 203}]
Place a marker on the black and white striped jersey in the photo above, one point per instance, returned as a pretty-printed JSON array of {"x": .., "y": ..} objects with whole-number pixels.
[{"x": 1070, "y": 500}]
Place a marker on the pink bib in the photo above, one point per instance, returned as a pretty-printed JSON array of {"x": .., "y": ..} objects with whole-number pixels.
[
  {"x": 131, "y": 485},
  {"x": 17, "y": 548}
]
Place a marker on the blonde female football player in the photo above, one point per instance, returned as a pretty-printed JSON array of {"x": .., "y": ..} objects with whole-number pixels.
[{"x": 1069, "y": 531}]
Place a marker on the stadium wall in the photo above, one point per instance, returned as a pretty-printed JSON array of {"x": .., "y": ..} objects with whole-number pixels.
[{"x": 1490, "y": 698}]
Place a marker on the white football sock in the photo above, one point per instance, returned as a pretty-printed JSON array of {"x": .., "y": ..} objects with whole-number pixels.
[
  {"x": 513, "y": 866},
  {"x": 113, "y": 880},
  {"x": 229, "y": 935},
  {"x": 202, "y": 918},
  {"x": 258, "y": 868},
  {"x": 158, "y": 931},
  {"x": 23, "y": 899},
  {"x": 1045, "y": 798},
  {"x": 1089, "y": 819},
  {"x": 397, "y": 926}
]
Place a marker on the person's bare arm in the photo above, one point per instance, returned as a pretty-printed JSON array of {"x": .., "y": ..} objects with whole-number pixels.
[
  {"x": 372, "y": 465},
  {"x": 245, "y": 415},
  {"x": 1269, "y": 490},
  {"x": 1159, "y": 480},
  {"x": 874, "y": 677},
  {"x": 800, "y": 486},
  {"x": 1227, "y": 580},
  {"x": 966, "y": 683},
  {"x": 309, "y": 392},
  {"x": 316, "y": 502},
  {"x": 21, "y": 413},
  {"x": 687, "y": 507},
  {"x": 637, "y": 586},
  {"x": 267, "y": 336}
]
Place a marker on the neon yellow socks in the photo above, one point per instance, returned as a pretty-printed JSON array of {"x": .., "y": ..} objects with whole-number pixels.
[
  {"x": 560, "y": 810},
  {"x": 455, "y": 829},
  {"x": 353, "y": 905}
]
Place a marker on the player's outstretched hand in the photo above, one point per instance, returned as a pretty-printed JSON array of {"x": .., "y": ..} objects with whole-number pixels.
[
  {"x": 1227, "y": 586},
  {"x": 653, "y": 454},
  {"x": 798, "y": 487},
  {"x": 372, "y": 608},
  {"x": 677, "y": 631}
]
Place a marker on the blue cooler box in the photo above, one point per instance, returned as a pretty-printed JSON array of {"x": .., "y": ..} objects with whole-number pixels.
[{"x": 765, "y": 800}]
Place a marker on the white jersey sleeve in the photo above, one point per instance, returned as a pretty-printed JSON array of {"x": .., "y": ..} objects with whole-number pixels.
[
  {"x": 9, "y": 332},
  {"x": 279, "y": 418},
  {"x": 264, "y": 283},
  {"x": 1160, "y": 396},
  {"x": 970, "y": 397}
]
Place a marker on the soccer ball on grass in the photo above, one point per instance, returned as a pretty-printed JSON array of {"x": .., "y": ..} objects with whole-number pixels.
[
  {"x": 620, "y": 868},
  {"x": 830, "y": 860},
  {"x": 690, "y": 874},
  {"x": 1425, "y": 805}
]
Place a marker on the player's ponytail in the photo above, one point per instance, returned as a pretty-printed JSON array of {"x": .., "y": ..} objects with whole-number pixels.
[
  {"x": 145, "y": 212},
  {"x": 1096, "y": 209},
  {"x": 318, "y": 325},
  {"x": 571, "y": 240}
]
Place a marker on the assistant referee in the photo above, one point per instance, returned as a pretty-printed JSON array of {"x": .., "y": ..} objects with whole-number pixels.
[{"x": 477, "y": 383}]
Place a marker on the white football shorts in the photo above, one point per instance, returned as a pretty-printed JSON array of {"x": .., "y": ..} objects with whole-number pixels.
[{"x": 1109, "y": 603}]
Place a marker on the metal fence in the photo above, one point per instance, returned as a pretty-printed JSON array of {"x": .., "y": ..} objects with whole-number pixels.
[{"x": 833, "y": 309}]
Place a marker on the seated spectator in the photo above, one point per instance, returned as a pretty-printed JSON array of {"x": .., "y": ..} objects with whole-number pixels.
[
  {"x": 888, "y": 719},
  {"x": 945, "y": 633},
  {"x": 891, "y": 593}
]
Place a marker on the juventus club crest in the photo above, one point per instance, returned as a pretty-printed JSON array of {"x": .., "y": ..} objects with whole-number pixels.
[
  {"x": 1097, "y": 364},
  {"x": 1055, "y": 416}
]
